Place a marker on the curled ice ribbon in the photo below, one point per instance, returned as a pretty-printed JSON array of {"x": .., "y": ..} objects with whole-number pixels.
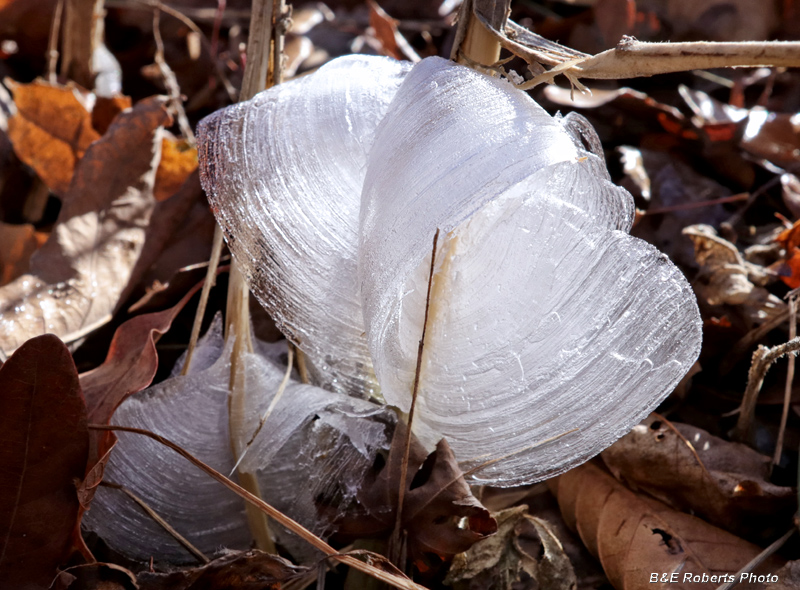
[{"x": 546, "y": 317}]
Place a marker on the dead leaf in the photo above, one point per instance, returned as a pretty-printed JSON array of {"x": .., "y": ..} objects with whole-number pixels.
[
  {"x": 436, "y": 500},
  {"x": 131, "y": 361},
  {"x": 44, "y": 443},
  {"x": 635, "y": 536},
  {"x": 51, "y": 131},
  {"x": 178, "y": 161},
  {"x": 78, "y": 277},
  {"x": 17, "y": 244},
  {"x": 106, "y": 108},
  {"x": 385, "y": 28},
  {"x": 251, "y": 570},
  {"x": 505, "y": 560},
  {"x": 685, "y": 467},
  {"x": 95, "y": 576},
  {"x": 791, "y": 193},
  {"x": 726, "y": 278}
]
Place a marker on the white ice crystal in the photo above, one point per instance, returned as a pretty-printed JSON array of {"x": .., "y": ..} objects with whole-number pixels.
[
  {"x": 295, "y": 476},
  {"x": 546, "y": 317}
]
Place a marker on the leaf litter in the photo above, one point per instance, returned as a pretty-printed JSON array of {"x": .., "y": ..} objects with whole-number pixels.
[{"x": 716, "y": 156}]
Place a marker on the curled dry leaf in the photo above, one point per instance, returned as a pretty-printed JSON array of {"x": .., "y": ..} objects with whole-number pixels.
[
  {"x": 95, "y": 576},
  {"x": 523, "y": 550},
  {"x": 77, "y": 278},
  {"x": 726, "y": 278},
  {"x": 685, "y": 467},
  {"x": 436, "y": 500},
  {"x": 44, "y": 444},
  {"x": 251, "y": 570},
  {"x": 51, "y": 131},
  {"x": 633, "y": 535}
]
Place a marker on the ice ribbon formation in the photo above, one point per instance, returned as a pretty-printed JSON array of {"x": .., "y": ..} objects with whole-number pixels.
[
  {"x": 311, "y": 458},
  {"x": 545, "y": 317}
]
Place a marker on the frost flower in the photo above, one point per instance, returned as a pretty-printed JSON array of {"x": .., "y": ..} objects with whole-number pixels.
[{"x": 546, "y": 317}]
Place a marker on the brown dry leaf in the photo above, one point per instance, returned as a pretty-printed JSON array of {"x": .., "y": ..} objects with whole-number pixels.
[
  {"x": 726, "y": 278},
  {"x": 44, "y": 443},
  {"x": 178, "y": 161},
  {"x": 685, "y": 467},
  {"x": 17, "y": 244},
  {"x": 106, "y": 109},
  {"x": 791, "y": 193},
  {"x": 635, "y": 536},
  {"x": 436, "y": 500},
  {"x": 385, "y": 28},
  {"x": 78, "y": 277},
  {"x": 506, "y": 559},
  {"x": 251, "y": 570},
  {"x": 51, "y": 131},
  {"x": 95, "y": 576}
]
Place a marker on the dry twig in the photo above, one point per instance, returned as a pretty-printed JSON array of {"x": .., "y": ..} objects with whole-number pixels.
[{"x": 763, "y": 358}]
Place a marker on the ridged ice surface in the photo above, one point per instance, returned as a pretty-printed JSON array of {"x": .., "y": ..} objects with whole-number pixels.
[
  {"x": 310, "y": 455},
  {"x": 540, "y": 322},
  {"x": 546, "y": 317},
  {"x": 283, "y": 172}
]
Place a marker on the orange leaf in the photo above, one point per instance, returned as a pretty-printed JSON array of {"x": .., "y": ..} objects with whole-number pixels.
[
  {"x": 178, "y": 161},
  {"x": 17, "y": 243},
  {"x": 106, "y": 108},
  {"x": 793, "y": 265},
  {"x": 50, "y": 131},
  {"x": 790, "y": 238}
]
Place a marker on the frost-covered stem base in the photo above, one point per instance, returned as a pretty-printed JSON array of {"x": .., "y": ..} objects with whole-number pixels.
[{"x": 238, "y": 313}]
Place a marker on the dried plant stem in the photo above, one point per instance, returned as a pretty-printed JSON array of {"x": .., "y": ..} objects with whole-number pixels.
[
  {"x": 763, "y": 358},
  {"x": 276, "y": 398},
  {"x": 82, "y": 20},
  {"x": 229, "y": 89},
  {"x": 211, "y": 279},
  {"x": 52, "y": 43},
  {"x": 636, "y": 59},
  {"x": 301, "y": 365},
  {"x": 158, "y": 519},
  {"x": 395, "y": 543},
  {"x": 475, "y": 44},
  {"x": 787, "y": 392},
  {"x": 393, "y": 579},
  {"x": 170, "y": 81},
  {"x": 263, "y": 30}
]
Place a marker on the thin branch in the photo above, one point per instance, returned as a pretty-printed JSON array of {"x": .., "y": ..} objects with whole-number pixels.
[
  {"x": 787, "y": 392},
  {"x": 159, "y": 520},
  {"x": 763, "y": 358},
  {"x": 407, "y": 446},
  {"x": 393, "y": 579},
  {"x": 629, "y": 59},
  {"x": 170, "y": 81},
  {"x": 636, "y": 59}
]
